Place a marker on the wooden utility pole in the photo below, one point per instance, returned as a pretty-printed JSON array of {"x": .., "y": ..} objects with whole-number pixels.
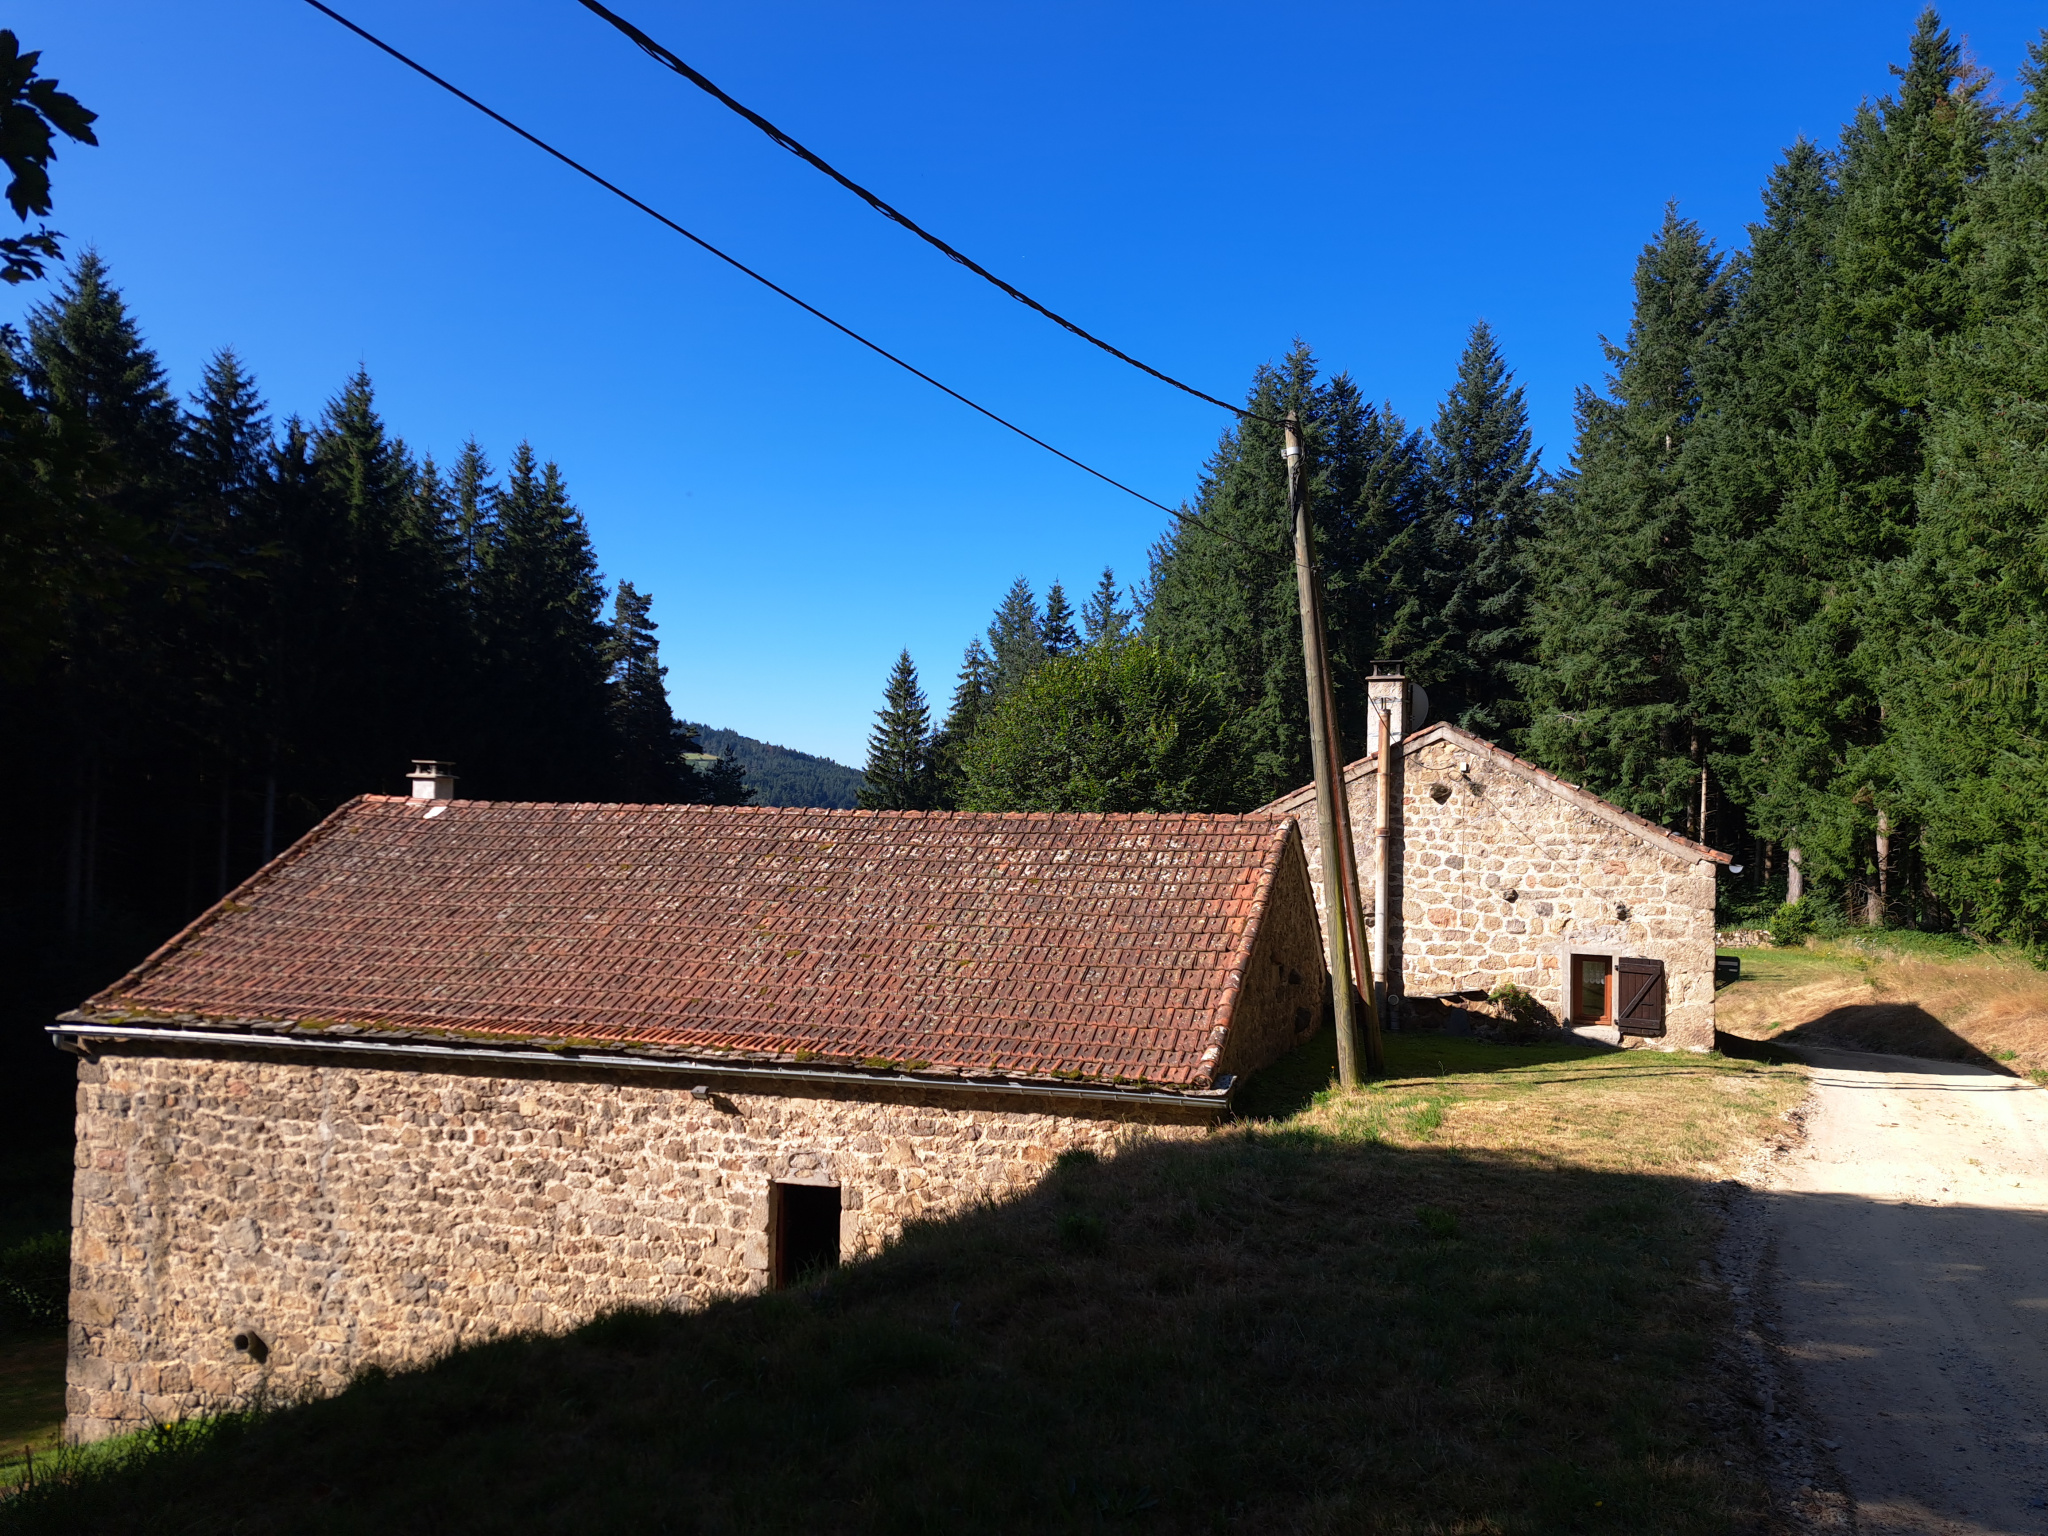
[
  {"x": 1340, "y": 896},
  {"x": 1354, "y": 906},
  {"x": 1388, "y": 764}
]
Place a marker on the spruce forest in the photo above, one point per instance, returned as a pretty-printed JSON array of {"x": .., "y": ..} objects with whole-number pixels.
[
  {"x": 1788, "y": 593},
  {"x": 1788, "y": 596},
  {"x": 217, "y": 628}
]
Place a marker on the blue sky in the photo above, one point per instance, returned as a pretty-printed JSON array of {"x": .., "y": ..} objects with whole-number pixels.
[{"x": 1199, "y": 183}]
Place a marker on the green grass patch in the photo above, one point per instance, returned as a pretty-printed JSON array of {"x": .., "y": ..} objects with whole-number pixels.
[
  {"x": 31, "y": 1398},
  {"x": 1457, "y": 1303}
]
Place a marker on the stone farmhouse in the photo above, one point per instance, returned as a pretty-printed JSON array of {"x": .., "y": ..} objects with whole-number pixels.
[
  {"x": 1490, "y": 870},
  {"x": 447, "y": 1068}
]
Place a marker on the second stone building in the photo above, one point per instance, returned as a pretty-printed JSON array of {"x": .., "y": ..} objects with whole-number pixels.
[{"x": 1478, "y": 869}]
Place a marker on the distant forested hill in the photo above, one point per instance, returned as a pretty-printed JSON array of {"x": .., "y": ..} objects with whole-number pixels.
[{"x": 780, "y": 776}]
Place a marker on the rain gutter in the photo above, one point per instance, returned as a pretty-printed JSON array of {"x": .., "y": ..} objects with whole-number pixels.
[{"x": 74, "y": 1037}]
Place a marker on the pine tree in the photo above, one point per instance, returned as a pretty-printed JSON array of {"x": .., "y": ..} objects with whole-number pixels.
[
  {"x": 476, "y": 502},
  {"x": 226, "y": 437},
  {"x": 1016, "y": 638},
  {"x": 1966, "y": 694},
  {"x": 973, "y": 692},
  {"x": 229, "y": 637},
  {"x": 650, "y": 742},
  {"x": 1488, "y": 483},
  {"x": 392, "y": 679},
  {"x": 1755, "y": 441},
  {"x": 1614, "y": 576},
  {"x": 86, "y": 359},
  {"x": 1056, "y": 630},
  {"x": 898, "y": 776},
  {"x": 1222, "y": 590},
  {"x": 544, "y": 643},
  {"x": 1825, "y": 623},
  {"x": 1102, "y": 617}
]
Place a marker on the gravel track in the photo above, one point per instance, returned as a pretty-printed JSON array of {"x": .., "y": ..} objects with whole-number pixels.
[{"x": 1901, "y": 1262}]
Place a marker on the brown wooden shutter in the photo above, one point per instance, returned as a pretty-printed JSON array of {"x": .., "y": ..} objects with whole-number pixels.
[{"x": 1639, "y": 996}]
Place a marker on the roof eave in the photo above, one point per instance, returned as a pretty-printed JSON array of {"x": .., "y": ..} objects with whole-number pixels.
[{"x": 74, "y": 1030}]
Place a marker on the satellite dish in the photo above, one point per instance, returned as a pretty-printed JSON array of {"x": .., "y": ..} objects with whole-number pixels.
[{"x": 1418, "y": 707}]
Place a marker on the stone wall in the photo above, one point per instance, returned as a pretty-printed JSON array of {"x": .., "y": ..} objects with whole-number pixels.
[
  {"x": 1285, "y": 991},
  {"x": 353, "y": 1216},
  {"x": 1499, "y": 830}
]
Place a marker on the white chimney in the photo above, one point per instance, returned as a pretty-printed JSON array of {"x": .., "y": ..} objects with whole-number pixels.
[
  {"x": 432, "y": 780},
  {"x": 1388, "y": 690}
]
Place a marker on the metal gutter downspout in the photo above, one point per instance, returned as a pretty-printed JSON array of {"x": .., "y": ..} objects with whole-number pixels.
[{"x": 1215, "y": 1104}]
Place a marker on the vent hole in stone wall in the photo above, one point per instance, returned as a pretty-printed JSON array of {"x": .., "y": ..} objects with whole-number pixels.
[
  {"x": 804, "y": 1230},
  {"x": 1439, "y": 793}
]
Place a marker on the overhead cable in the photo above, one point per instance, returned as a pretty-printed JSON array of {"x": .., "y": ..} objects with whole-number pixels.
[
  {"x": 738, "y": 265},
  {"x": 664, "y": 57}
]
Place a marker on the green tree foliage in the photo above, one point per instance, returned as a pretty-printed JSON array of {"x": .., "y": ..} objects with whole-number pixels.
[
  {"x": 1797, "y": 563},
  {"x": 654, "y": 747},
  {"x": 1103, "y": 617},
  {"x": 1121, "y": 726},
  {"x": 899, "y": 774},
  {"x": 1910, "y": 174},
  {"x": 32, "y": 113},
  {"x": 973, "y": 692},
  {"x": 1965, "y": 693},
  {"x": 1614, "y": 575},
  {"x": 1757, "y": 438},
  {"x": 1056, "y": 629},
  {"x": 216, "y": 628},
  {"x": 542, "y": 634},
  {"x": 781, "y": 775},
  {"x": 1487, "y": 484},
  {"x": 1016, "y": 639},
  {"x": 1223, "y": 591}
]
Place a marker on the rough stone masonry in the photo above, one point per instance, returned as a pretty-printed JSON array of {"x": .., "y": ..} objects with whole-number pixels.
[
  {"x": 346, "y": 1216},
  {"x": 1502, "y": 873}
]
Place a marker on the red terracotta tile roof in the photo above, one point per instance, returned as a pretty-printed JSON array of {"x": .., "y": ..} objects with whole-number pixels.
[{"x": 1024, "y": 946}]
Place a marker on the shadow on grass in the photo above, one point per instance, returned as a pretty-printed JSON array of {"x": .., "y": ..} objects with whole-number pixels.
[
  {"x": 1291, "y": 1084},
  {"x": 1276, "y": 1329},
  {"x": 1898, "y": 1029}
]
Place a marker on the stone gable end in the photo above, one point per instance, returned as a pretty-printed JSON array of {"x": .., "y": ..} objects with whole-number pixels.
[{"x": 1583, "y": 882}]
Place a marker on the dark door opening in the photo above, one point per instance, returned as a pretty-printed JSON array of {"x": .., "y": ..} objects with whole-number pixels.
[
  {"x": 804, "y": 1229},
  {"x": 1592, "y": 989}
]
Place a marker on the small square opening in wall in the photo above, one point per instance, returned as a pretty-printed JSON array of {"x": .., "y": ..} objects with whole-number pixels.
[{"x": 803, "y": 1228}]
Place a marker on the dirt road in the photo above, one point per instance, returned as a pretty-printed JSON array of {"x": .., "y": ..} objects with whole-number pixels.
[{"x": 1911, "y": 1286}]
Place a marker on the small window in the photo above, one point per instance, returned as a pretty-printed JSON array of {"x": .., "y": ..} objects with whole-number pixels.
[
  {"x": 1592, "y": 988},
  {"x": 803, "y": 1230}
]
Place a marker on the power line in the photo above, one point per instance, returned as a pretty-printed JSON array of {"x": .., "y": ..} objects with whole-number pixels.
[
  {"x": 662, "y": 56},
  {"x": 738, "y": 265}
]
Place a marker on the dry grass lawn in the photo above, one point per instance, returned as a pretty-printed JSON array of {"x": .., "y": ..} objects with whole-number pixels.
[
  {"x": 1466, "y": 1301},
  {"x": 1895, "y": 994}
]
